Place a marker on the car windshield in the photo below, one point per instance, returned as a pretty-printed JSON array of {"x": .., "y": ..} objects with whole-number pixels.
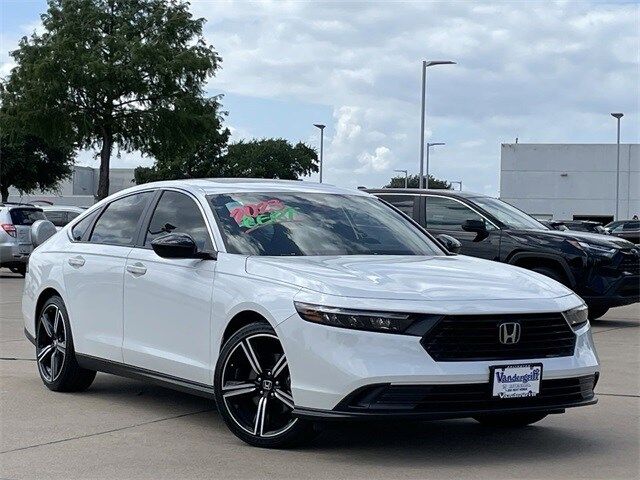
[
  {"x": 295, "y": 224},
  {"x": 509, "y": 215}
]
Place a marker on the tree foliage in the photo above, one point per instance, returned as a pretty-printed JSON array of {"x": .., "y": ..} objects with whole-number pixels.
[
  {"x": 436, "y": 183},
  {"x": 125, "y": 74},
  {"x": 266, "y": 158}
]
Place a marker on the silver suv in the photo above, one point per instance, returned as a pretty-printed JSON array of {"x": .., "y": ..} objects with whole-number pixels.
[{"x": 15, "y": 234}]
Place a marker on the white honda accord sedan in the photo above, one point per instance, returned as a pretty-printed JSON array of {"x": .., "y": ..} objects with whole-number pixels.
[{"x": 291, "y": 303}]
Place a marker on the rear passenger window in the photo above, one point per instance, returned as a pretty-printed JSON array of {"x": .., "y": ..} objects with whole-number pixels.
[
  {"x": 78, "y": 230},
  {"x": 178, "y": 213},
  {"x": 404, "y": 203},
  {"x": 118, "y": 225},
  {"x": 446, "y": 214}
]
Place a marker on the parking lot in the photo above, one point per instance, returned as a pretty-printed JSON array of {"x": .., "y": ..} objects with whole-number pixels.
[{"x": 123, "y": 428}]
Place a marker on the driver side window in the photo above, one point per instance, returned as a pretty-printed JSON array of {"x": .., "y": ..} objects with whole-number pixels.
[
  {"x": 178, "y": 213},
  {"x": 446, "y": 214}
]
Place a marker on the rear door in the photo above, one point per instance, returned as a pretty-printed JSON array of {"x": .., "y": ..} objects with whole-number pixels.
[
  {"x": 167, "y": 301},
  {"x": 94, "y": 274},
  {"x": 447, "y": 214},
  {"x": 22, "y": 219}
]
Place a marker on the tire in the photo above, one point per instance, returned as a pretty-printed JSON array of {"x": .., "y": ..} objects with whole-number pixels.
[
  {"x": 551, "y": 273},
  {"x": 21, "y": 269},
  {"x": 597, "y": 312},
  {"x": 252, "y": 377},
  {"x": 55, "y": 355},
  {"x": 513, "y": 420}
]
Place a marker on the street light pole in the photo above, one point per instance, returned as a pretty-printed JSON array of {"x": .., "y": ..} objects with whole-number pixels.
[
  {"x": 426, "y": 64},
  {"x": 406, "y": 177},
  {"x": 429, "y": 145},
  {"x": 321, "y": 127},
  {"x": 618, "y": 116}
]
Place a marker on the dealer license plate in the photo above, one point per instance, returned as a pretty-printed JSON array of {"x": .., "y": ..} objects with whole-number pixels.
[{"x": 516, "y": 381}]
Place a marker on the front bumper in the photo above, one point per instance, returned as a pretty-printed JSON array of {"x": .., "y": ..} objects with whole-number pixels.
[
  {"x": 327, "y": 364},
  {"x": 425, "y": 402},
  {"x": 614, "y": 282}
]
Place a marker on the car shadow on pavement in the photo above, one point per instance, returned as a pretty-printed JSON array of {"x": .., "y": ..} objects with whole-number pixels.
[{"x": 461, "y": 442}]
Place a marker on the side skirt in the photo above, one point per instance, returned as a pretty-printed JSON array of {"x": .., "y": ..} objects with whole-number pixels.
[{"x": 137, "y": 373}]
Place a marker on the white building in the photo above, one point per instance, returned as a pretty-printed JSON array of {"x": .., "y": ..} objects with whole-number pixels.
[
  {"x": 80, "y": 188},
  {"x": 571, "y": 181}
]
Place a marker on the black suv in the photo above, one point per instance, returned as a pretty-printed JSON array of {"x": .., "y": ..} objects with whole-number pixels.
[{"x": 603, "y": 270}]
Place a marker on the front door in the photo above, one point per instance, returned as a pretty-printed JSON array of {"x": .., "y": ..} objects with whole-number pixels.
[
  {"x": 446, "y": 215},
  {"x": 167, "y": 302}
]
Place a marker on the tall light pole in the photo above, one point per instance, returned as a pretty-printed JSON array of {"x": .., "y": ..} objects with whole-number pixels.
[
  {"x": 321, "y": 127},
  {"x": 429, "y": 145},
  {"x": 406, "y": 177},
  {"x": 618, "y": 116},
  {"x": 426, "y": 64}
]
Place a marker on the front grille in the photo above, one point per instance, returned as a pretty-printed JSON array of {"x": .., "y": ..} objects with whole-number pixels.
[
  {"x": 476, "y": 337},
  {"x": 465, "y": 397}
]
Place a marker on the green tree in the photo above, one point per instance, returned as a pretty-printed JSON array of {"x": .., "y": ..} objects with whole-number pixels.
[
  {"x": 266, "y": 158},
  {"x": 398, "y": 182},
  {"x": 118, "y": 74},
  {"x": 28, "y": 162}
]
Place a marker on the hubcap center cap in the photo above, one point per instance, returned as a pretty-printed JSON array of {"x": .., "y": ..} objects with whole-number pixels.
[{"x": 267, "y": 385}]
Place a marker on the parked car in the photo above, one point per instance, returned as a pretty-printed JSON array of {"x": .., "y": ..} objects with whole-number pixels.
[
  {"x": 584, "y": 226},
  {"x": 15, "y": 234},
  {"x": 627, "y": 229},
  {"x": 554, "y": 225},
  {"x": 603, "y": 270},
  {"x": 60, "y": 215},
  {"x": 292, "y": 303}
]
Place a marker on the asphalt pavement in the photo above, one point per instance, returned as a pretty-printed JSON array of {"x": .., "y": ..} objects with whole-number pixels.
[{"x": 125, "y": 429}]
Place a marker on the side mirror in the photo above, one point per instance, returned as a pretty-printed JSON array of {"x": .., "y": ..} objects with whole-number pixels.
[
  {"x": 451, "y": 244},
  {"x": 41, "y": 231},
  {"x": 477, "y": 226},
  {"x": 179, "y": 245}
]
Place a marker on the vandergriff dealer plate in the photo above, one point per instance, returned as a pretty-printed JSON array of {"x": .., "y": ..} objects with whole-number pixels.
[{"x": 516, "y": 381}]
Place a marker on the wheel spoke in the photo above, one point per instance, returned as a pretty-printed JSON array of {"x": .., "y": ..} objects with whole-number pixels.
[
  {"x": 62, "y": 347},
  {"x": 238, "y": 389},
  {"x": 251, "y": 356},
  {"x": 280, "y": 365},
  {"x": 44, "y": 352},
  {"x": 284, "y": 398},
  {"x": 258, "y": 428},
  {"x": 48, "y": 327},
  {"x": 56, "y": 321},
  {"x": 54, "y": 365}
]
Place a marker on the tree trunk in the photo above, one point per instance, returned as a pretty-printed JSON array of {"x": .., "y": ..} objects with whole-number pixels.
[
  {"x": 105, "y": 157},
  {"x": 4, "y": 191}
]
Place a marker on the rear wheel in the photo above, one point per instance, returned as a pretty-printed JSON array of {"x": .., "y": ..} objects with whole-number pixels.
[
  {"x": 597, "y": 312},
  {"x": 253, "y": 390},
  {"x": 55, "y": 355},
  {"x": 513, "y": 420},
  {"x": 21, "y": 269}
]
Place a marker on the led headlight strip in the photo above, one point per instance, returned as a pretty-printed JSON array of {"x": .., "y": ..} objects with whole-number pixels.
[{"x": 390, "y": 322}]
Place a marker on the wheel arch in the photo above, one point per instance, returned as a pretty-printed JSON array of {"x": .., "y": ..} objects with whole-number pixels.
[
  {"x": 45, "y": 295},
  {"x": 239, "y": 320},
  {"x": 530, "y": 260}
]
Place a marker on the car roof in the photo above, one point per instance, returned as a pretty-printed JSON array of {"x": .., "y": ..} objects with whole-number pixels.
[
  {"x": 212, "y": 186},
  {"x": 70, "y": 208},
  {"x": 435, "y": 191}
]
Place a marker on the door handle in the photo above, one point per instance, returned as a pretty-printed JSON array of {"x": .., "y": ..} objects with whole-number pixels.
[
  {"x": 76, "y": 261},
  {"x": 137, "y": 269}
]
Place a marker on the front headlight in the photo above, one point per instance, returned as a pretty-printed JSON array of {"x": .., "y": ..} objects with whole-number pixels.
[
  {"x": 389, "y": 322},
  {"x": 598, "y": 250},
  {"x": 577, "y": 317}
]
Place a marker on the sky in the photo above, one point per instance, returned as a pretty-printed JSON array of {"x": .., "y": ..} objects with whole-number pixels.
[{"x": 542, "y": 72}]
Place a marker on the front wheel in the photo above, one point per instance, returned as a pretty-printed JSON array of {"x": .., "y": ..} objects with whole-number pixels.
[
  {"x": 253, "y": 390},
  {"x": 512, "y": 420}
]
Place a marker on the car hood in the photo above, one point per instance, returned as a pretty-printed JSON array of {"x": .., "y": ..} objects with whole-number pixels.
[
  {"x": 596, "y": 238},
  {"x": 407, "y": 277}
]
